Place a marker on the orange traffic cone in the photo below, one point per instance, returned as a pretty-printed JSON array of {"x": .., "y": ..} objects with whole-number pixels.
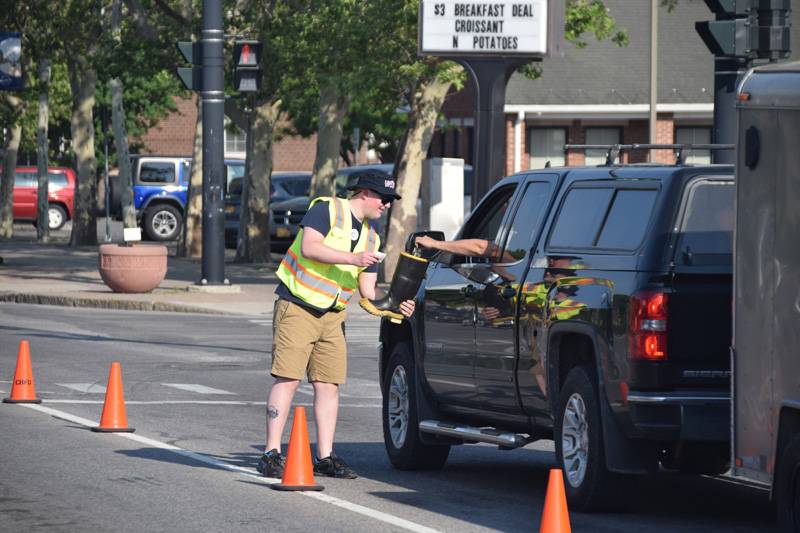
[
  {"x": 555, "y": 518},
  {"x": 113, "y": 419},
  {"x": 23, "y": 390},
  {"x": 298, "y": 474}
]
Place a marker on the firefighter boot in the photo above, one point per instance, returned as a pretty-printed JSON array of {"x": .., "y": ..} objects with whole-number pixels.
[{"x": 407, "y": 278}]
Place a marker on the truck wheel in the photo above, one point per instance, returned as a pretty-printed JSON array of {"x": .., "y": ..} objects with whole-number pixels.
[
  {"x": 787, "y": 487},
  {"x": 56, "y": 216},
  {"x": 162, "y": 222},
  {"x": 400, "y": 418},
  {"x": 579, "y": 443}
]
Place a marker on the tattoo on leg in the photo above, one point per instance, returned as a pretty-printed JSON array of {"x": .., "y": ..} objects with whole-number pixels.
[{"x": 272, "y": 411}]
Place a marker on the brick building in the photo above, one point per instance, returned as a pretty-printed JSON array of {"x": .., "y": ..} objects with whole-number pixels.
[
  {"x": 596, "y": 95},
  {"x": 600, "y": 95}
]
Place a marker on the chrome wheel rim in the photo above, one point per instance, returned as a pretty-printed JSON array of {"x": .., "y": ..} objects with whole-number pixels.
[
  {"x": 54, "y": 218},
  {"x": 575, "y": 440},
  {"x": 164, "y": 223},
  {"x": 397, "y": 412}
]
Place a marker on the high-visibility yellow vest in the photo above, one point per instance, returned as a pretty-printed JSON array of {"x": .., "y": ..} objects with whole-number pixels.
[{"x": 325, "y": 285}]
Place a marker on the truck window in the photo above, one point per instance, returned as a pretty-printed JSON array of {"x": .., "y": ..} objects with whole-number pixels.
[
  {"x": 580, "y": 217},
  {"x": 485, "y": 224},
  {"x": 706, "y": 233},
  {"x": 152, "y": 172},
  {"x": 25, "y": 179},
  {"x": 56, "y": 179},
  {"x": 627, "y": 219},
  {"x": 527, "y": 219}
]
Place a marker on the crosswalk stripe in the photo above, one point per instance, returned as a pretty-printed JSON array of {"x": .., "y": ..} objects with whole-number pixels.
[
  {"x": 86, "y": 388},
  {"x": 201, "y": 389}
]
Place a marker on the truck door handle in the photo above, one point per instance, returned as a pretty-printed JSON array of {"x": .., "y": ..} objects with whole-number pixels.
[
  {"x": 508, "y": 292},
  {"x": 468, "y": 290}
]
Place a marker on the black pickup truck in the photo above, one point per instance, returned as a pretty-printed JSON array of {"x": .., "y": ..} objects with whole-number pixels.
[{"x": 603, "y": 322}]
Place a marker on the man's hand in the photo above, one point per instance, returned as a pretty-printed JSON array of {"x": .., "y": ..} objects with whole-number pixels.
[
  {"x": 426, "y": 242},
  {"x": 407, "y": 308},
  {"x": 364, "y": 259}
]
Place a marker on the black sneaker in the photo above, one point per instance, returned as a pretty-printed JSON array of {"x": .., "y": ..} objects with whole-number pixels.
[
  {"x": 271, "y": 464},
  {"x": 334, "y": 466}
]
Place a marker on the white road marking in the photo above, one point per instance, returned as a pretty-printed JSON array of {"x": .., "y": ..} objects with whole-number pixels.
[
  {"x": 200, "y": 389},
  {"x": 344, "y": 504},
  {"x": 87, "y": 388}
]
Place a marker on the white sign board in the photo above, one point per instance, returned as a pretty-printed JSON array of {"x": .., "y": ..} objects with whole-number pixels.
[{"x": 473, "y": 27}]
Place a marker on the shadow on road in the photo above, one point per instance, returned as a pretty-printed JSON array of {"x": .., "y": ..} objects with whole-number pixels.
[{"x": 504, "y": 491}]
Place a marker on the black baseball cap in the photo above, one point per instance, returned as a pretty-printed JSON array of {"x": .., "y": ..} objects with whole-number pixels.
[{"x": 375, "y": 180}]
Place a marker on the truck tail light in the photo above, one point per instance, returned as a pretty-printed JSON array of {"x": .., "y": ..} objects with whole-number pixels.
[{"x": 647, "y": 325}]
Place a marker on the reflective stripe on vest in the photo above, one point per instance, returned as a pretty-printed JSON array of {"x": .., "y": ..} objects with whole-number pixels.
[{"x": 309, "y": 279}]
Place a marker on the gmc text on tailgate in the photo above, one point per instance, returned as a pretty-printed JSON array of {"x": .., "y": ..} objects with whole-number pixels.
[{"x": 603, "y": 322}]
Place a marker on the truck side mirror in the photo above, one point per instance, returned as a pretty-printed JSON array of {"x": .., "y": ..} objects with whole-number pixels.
[{"x": 427, "y": 254}]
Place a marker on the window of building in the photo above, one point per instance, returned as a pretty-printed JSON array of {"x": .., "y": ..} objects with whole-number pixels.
[
  {"x": 235, "y": 140},
  {"x": 600, "y": 136},
  {"x": 695, "y": 135},
  {"x": 547, "y": 144}
]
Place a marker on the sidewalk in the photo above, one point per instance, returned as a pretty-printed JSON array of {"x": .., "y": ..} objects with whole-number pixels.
[{"x": 57, "y": 274}]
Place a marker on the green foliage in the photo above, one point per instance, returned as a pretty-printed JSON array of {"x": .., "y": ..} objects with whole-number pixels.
[{"x": 591, "y": 16}]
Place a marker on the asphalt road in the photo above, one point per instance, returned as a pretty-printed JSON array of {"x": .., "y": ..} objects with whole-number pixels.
[{"x": 195, "y": 389}]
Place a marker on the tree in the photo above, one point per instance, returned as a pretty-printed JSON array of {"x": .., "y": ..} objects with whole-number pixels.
[{"x": 430, "y": 79}]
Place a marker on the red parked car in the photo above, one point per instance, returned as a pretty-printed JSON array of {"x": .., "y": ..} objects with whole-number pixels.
[{"x": 61, "y": 196}]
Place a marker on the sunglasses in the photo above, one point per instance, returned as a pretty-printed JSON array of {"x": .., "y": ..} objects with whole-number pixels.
[{"x": 383, "y": 199}]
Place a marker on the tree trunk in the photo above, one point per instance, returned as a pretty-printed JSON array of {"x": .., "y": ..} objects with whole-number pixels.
[
  {"x": 254, "y": 242},
  {"x": 9, "y": 168},
  {"x": 192, "y": 245},
  {"x": 426, "y": 102},
  {"x": 332, "y": 110},
  {"x": 83, "y": 79},
  {"x": 123, "y": 157},
  {"x": 42, "y": 204}
]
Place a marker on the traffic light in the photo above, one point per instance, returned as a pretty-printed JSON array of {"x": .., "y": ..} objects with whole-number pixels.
[
  {"x": 247, "y": 66},
  {"x": 747, "y": 29},
  {"x": 191, "y": 76},
  {"x": 772, "y": 37}
]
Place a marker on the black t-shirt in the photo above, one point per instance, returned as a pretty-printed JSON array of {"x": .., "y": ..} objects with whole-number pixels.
[{"x": 319, "y": 218}]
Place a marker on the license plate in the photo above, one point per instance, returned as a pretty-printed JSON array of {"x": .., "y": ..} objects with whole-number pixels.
[
  {"x": 230, "y": 209},
  {"x": 282, "y": 233}
]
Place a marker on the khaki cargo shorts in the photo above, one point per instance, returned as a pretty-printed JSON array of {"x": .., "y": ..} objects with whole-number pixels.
[{"x": 305, "y": 343}]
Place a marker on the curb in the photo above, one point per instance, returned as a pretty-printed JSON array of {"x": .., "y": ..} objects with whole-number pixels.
[{"x": 131, "y": 305}]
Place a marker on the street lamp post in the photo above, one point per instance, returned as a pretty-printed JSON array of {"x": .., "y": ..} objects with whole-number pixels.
[{"x": 213, "y": 105}]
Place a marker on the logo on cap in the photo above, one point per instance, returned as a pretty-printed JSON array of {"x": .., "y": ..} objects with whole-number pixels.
[{"x": 389, "y": 184}]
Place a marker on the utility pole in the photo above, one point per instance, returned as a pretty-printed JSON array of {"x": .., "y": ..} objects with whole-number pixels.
[
  {"x": 653, "y": 73},
  {"x": 213, "y": 106}
]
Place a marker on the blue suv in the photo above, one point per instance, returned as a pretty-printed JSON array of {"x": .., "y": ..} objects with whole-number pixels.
[{"x": 160, "y": 186}]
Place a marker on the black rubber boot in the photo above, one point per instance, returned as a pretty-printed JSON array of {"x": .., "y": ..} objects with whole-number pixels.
[{"x": 407, "y": 278}]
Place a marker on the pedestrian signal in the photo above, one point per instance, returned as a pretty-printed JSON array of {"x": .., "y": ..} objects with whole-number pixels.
[{"x": 247, "y": 66}]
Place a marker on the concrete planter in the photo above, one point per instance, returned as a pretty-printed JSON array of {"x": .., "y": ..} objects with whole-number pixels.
[{"x": 132, "y": 269}]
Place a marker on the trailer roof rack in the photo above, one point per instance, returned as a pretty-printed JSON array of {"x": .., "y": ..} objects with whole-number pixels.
[{"x": 613, "y": 150}]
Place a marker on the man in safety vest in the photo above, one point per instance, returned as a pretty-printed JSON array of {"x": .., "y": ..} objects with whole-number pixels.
[{"x": 333, "y": 254}]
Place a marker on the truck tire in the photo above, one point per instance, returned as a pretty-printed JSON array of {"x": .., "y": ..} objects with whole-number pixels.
[
  {"x": 787, "y": 487},
  {"x": 579, "y": 444},
  {"x": 163, "y": 222},
  {"x": 404, "y": 447}
]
